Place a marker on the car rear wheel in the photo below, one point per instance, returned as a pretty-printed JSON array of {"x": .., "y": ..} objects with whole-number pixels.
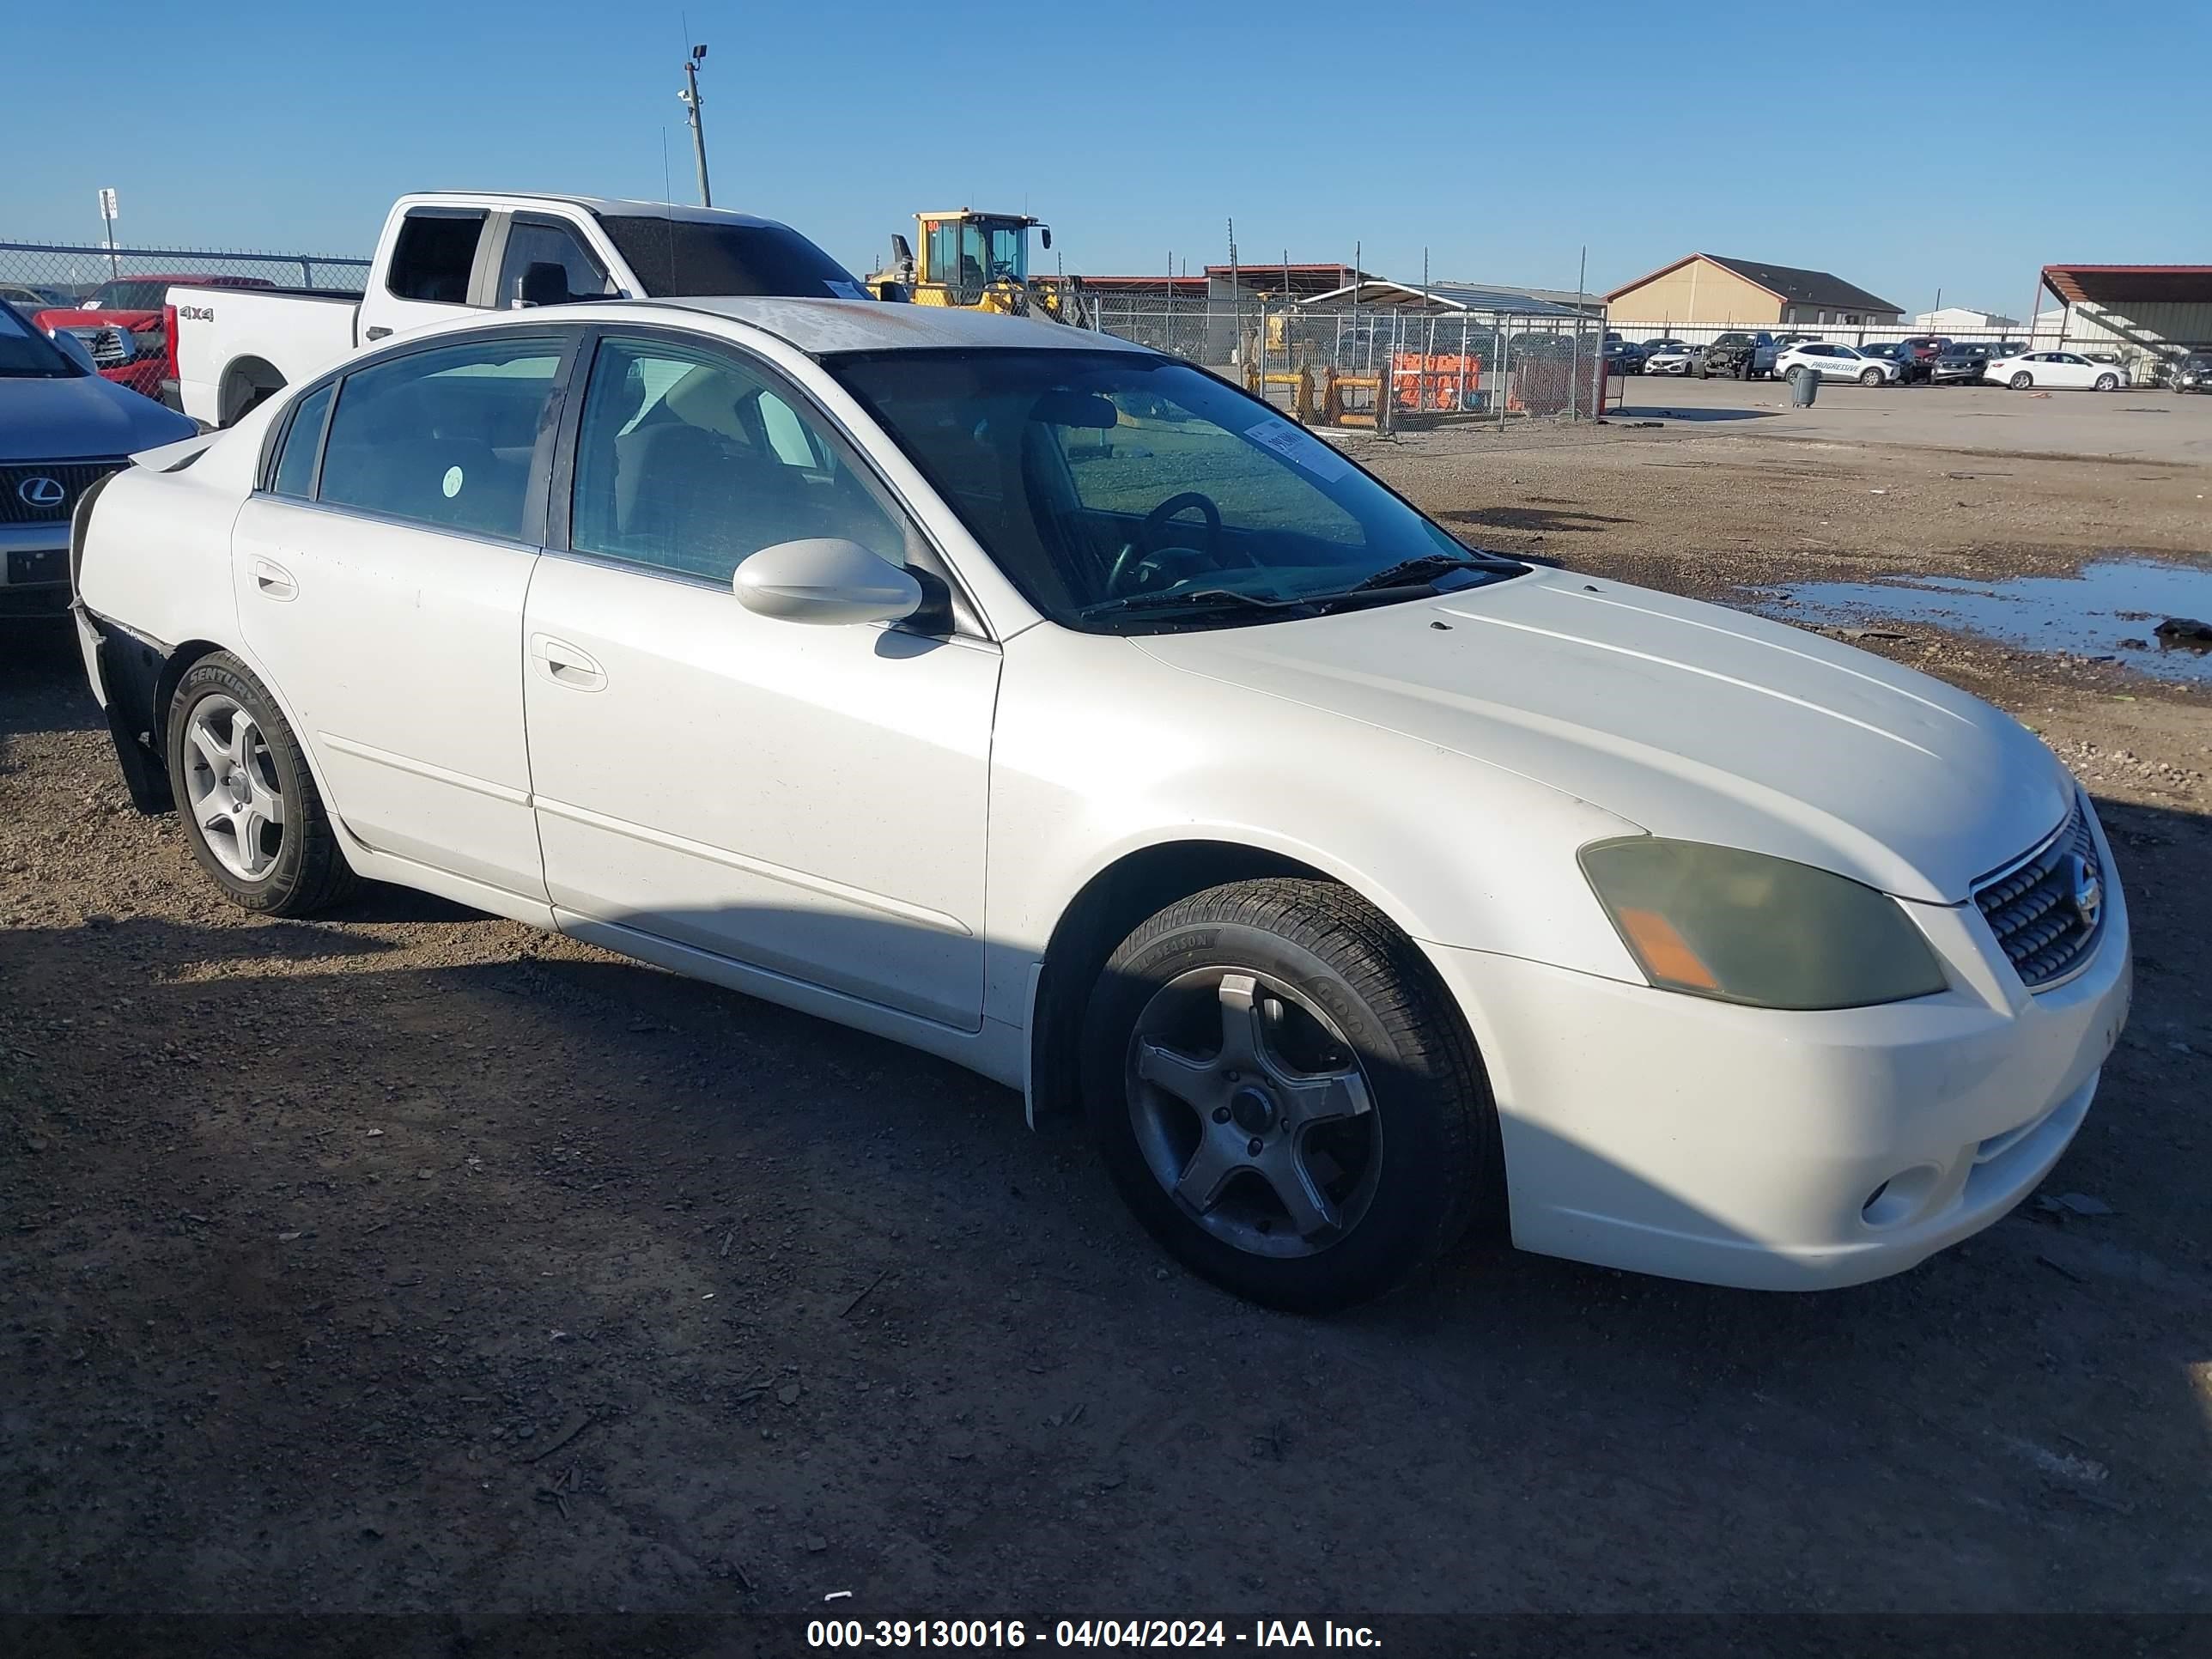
[
  {"x": 2022, "y": 381},
  {"x": 251, "y": 809},
  {"x": 2108, "y": 383},
  {"x": 1285, "y": 1094}
]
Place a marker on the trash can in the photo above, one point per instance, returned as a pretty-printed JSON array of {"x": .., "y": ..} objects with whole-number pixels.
[{"x": 1804, "y": 387}]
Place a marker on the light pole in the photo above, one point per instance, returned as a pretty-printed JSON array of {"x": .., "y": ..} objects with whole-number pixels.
[{"x": 690, "y": 97}]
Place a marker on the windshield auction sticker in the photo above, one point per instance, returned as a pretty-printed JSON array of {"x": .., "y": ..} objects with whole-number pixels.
[{"x": 1301, "y": 448}]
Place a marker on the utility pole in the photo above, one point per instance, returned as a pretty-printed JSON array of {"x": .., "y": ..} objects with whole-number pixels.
[{"x": 690, "y": 98}]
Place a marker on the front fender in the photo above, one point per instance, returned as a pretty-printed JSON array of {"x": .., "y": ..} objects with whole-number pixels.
[{"x": 1453, "y": 851}]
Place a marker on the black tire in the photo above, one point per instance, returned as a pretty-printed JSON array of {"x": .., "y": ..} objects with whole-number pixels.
[
  {"x": 1870, "y": 377},
  {"x": 2022, "y": 381},
  {"x": 1437, "y": 1161},
  {"x": 309, "y": 872},
  {"x": 2108, "y": 383}
]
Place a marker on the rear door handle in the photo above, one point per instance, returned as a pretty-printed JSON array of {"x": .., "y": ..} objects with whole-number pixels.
[
  {"x": 377, "y": 333},
  {"x": 274, "y": 581},
  {"x": 564, "y": 664}
]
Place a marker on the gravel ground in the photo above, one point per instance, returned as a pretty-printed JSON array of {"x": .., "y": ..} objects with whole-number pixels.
[{"x": 412, "y": 1261}]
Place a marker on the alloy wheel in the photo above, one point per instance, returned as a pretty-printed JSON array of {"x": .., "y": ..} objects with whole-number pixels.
[
  {"x": 231, "y": 778},
  {"x": 1253, "y": 1113}
]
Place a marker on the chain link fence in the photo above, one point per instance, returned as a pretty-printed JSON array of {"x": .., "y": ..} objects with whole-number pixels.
[
  {"x": 1341, "y": 364},
  {"x": 1381, "y": 366},
  {"x": 1185, "y": 328},
  {"x": 71, "y": 273},
  {"x": 120, "y": 292}
]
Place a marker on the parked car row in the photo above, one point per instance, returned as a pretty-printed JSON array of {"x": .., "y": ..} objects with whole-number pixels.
[{"x": 1926, "y": 359}]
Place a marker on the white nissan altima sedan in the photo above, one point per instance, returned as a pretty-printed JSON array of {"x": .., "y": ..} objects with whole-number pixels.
[{"x": 1051, "y": 705}]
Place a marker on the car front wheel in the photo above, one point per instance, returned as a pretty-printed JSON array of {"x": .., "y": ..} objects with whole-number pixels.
[
  {"x": 1871, "y": 377},
  {"x": 252, "y": 811},
  {"x": 1286, "y": 1095},
  {"x": 2108, "y": 383}
]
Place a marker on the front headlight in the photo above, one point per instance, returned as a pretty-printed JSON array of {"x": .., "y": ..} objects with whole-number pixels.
[{"x": 1715, "y": 921}]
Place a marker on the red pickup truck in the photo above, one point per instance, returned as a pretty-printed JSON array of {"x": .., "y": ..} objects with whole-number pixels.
[{"x": 132, "y": 306}]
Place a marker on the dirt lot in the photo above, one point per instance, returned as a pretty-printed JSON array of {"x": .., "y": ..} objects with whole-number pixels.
[{"x": 416, "y": 1262}]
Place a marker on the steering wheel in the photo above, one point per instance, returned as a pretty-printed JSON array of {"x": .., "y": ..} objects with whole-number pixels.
[{"x": 1148, "y": 549}]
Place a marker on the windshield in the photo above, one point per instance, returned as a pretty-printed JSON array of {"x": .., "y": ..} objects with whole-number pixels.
[
  {"x": 1121, "y": 491},
  {"x": 129, "y": 296},
  {"x": 677, "y": 257},
  {"x": 27, "y": 354}
]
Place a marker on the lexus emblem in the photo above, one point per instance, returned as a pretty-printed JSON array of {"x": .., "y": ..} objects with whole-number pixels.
[
  {"x": 2088, "y": 892},
  {"x": 40, "y": 490}
]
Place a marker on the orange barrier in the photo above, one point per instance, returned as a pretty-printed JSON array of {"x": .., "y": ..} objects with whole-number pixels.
[{"x": 1435, "y": 382}]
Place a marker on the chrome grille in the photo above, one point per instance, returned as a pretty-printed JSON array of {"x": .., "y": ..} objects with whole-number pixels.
[
  {"x": 24, "y": 501},
  {"x": 2035, "y": 906},
  {"x": 111, "y": 348}
]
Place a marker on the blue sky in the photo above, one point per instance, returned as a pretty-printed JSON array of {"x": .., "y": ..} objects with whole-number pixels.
[{"x": 1138, "y": 127}]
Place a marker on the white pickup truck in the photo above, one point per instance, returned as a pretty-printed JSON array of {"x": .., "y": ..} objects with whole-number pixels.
[{"x": 445, "y": 253}]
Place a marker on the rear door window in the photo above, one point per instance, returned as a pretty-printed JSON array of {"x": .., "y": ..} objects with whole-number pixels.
[
  {"x": 303, "y": 438},
  {"x": 443, "y": 437},
  {"x": 435, "y": 251}
]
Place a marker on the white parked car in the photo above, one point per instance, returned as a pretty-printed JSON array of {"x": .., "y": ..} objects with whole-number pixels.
[
  {"x": 1673, "y": 360},
  {"x": 1835, "y": 362},
  {"x": 1045, "y": 703},
  {"x": 2069, "y": 370}
]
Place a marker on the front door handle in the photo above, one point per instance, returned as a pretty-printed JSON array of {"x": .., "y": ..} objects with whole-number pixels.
[
  {"x": 377, "y": 333},
  {"x": 274, "y": 581},
  {"x": 564, "y": 664}
]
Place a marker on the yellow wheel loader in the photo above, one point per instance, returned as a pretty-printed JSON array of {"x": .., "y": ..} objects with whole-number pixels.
[{"x": 979, "y": 261}]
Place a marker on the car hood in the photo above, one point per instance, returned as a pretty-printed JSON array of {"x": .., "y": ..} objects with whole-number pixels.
[
  {"x": 86, "y": 317},
  {"x": 1688, "y": 720},
  {"x": 82, "y": 417}
]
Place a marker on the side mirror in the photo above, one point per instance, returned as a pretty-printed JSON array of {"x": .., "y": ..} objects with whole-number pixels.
[
  {"x": 825, "y": 579},
  {"x": 1045, "y": 231}
]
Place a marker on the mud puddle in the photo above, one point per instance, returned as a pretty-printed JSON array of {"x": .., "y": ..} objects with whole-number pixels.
[{"x": 2112, "y": 608}]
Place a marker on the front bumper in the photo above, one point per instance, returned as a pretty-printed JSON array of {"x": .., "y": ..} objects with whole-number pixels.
[
  {"x": 34, "y": 569},
  {"x": 1701, "y": 1140}
]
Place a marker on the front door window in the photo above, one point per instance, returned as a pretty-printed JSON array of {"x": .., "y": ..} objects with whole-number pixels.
[{"x": 688, "y": 462}]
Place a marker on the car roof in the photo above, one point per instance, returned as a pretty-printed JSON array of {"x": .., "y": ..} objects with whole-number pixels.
[
  {"x": 612, "y": 205},
  {"x": 820, "y": 326}
]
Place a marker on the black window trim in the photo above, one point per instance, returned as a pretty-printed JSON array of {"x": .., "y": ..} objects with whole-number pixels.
[
  {"x": 280, "y": 434},
  {"x": 439, "y": 210},
  {"x": 957, "y": 602},
  {"x": 538, "y": 219},
  {"x": 536, "y": 493}
]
